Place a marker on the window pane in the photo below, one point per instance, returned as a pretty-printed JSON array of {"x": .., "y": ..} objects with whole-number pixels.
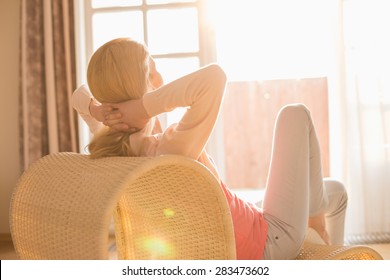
[
  {"x": 115, "y": 3},
  {"x": 173, "y": 30},
  {"x": 173, "y": 68},
  {"x": 168, "y": 1},
  {"x": 108, "y": 26}
]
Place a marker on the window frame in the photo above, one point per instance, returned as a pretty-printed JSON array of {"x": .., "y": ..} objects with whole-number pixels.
[{"x": 84, "y": 13}]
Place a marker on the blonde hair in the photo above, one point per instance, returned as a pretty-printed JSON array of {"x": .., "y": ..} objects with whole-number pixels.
[{"x": 117, "y": 71}]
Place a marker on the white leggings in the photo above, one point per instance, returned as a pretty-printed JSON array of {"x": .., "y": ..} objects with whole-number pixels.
[{"x": 296, "y": 189}]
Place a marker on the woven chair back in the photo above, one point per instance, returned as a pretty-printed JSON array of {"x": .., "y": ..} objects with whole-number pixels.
[{"x": 167, "y": 207}]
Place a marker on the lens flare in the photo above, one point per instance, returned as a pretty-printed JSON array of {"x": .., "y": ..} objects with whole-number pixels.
[
  {"x": 168, "y": 213},
  {"x": 158, "y": 248}
]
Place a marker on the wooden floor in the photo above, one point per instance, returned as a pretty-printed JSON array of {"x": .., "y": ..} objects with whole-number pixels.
[{"x": 7, "y": 251}]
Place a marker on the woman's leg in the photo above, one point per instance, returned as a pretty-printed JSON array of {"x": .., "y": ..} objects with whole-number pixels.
[
  {"x": 334, "y": 216},
  {"x": 295, "y": 184},
  {"x": 331, "y": 222},
  {"x": 336, "y": 210}
]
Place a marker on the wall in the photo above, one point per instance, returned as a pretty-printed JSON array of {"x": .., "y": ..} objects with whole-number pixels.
[{"x": 9, "y": 92}]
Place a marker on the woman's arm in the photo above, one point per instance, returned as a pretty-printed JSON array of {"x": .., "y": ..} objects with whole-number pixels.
[
  {"x": 201, "y": 92},
  {"x": 81, "y": 101},
  {"x": 90, "y": 110}
]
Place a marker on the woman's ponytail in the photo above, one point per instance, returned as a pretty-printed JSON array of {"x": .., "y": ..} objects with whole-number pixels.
[{"x": 110, "y": 144}]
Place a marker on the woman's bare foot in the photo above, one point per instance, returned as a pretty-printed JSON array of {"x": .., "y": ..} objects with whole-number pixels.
[{"x": 318, "y": 224}]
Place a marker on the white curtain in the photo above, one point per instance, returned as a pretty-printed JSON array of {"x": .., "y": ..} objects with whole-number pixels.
[{"x": 364, "y": 116}]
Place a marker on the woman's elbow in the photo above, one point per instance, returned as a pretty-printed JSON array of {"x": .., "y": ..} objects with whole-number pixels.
[
  {"x": 216, "y": 73},
  {"x": 215, "y": 79}
]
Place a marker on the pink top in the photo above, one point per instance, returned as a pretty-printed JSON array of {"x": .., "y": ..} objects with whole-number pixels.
[{"x": 202, "y": 93}]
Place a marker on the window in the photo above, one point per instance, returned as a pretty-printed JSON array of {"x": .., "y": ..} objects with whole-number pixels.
[
  {"x": 262, "y": 45},
  {"x": 274, "y": 52},
  {"x": 169, "y": 28},
  {"x": 262, "y": 39}
]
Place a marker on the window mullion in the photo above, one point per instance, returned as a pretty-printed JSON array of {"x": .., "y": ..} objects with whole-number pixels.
[
  {"x": 207, "y": 44},
  {"x": 145, "y": 23}
]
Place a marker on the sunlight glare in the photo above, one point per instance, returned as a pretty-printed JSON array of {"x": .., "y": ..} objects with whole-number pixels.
[{"x": 259, "y": 39}]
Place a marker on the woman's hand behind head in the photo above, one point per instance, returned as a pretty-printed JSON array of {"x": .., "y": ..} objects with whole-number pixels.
[
  {"x": 127, "y": 116},
  {"x": 98, "y": 111}
]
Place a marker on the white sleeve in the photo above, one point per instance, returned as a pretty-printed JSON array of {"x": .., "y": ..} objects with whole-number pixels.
[
  {"x": 202, "y": 93},
  {"x": 81, "y": 98}
]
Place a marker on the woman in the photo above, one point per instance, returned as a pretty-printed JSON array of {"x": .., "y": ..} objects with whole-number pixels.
[{"x": 123, "y": 75}]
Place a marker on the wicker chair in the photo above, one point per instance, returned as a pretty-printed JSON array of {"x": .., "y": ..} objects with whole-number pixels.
[
  {"x": 168, "y": 207},
  {"x": 314, "y": 248}
]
